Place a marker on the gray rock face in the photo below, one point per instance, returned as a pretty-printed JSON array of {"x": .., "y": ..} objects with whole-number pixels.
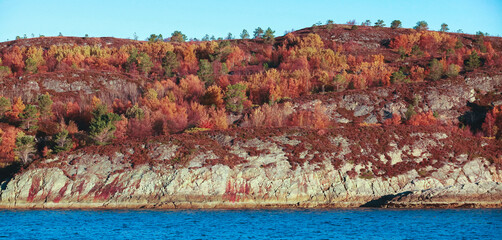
[
  {"x": 267, "y": 179},
  {"x": 471, "y": 194},
  {"x": 484, "y": 83},
  {"x": 76, "y": 84},
  {"x": 64, "y": 86},
  {"x": 447, "y": 99}
]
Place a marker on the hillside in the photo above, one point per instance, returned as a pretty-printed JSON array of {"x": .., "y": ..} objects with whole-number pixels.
[{"x": 332, "y": 116}]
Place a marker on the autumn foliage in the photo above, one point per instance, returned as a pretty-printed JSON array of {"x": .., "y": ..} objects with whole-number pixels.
[
  {"x": 422, "y": 119},
  {"x": 7, "y": 143},
  {"x": 213, "y": 85},
  {"x": 492, "y": 127}
]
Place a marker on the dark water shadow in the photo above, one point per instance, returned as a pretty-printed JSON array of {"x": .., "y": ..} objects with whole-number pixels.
[{"x": 382, "y": 201}]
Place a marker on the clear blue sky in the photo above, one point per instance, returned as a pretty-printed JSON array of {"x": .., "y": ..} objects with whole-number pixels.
[{"x": 195, "y": 18}]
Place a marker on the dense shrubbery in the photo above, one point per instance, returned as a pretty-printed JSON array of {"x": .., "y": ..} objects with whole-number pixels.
[{"x": 197, "y": 85}]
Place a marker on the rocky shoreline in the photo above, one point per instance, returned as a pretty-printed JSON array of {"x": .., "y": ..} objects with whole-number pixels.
[
  {"x": 452, "y": 203},
  {"x": 282, "y": 170}
]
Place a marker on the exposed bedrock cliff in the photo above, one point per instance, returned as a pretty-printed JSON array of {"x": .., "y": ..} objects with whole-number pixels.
[
  {"x": 447, "y": 99},
  {"x": 348, "y": 167}
]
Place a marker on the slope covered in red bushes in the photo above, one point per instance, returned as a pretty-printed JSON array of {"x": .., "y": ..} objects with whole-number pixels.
[{"x": 59, "y": 94}]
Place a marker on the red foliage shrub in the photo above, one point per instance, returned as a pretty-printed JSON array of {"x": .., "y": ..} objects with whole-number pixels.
[
  {"x": 422, "y": 119},
  {"x": 8, "y": 136},
  {"x": 192, "y": 88},
  {"x": 196, "y": 114},
  {"x": 492, "y": 127},
  {"x": 316, "y": 119},
  {"x": 120, "y": 106},
  {"x": 269, "y": 116},
  {"x": 139, "y": 128},
  {"x": 121, "y": 129},
  {"x": 218, "y": 118},
  {"x": 394, "y": 120},
  {"x": 14, "y": 60}
]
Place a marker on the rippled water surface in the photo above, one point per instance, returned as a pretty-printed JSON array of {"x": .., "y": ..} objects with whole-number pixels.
[{"x": 252, "y": 224}]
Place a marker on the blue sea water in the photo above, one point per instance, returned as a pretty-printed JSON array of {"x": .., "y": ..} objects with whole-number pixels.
[{"x": 252, "y": 224}]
